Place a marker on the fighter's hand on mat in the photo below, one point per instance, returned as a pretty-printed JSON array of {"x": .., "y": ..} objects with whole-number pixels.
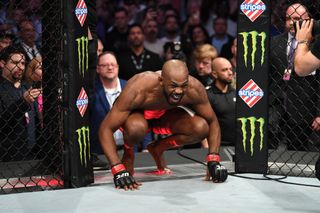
[
  {"x": 122, "y": 178},
  {"x": 216, "y": 171}
]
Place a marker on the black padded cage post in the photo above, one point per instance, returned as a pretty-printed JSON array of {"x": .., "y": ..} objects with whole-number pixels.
[
  {"x": 252, "y": 86},
  {"x": 76, "y": 92}
]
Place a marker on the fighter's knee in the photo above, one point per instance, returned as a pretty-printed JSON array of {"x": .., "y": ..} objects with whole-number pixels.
[
  {"x": 200, "y": 129},
  {"x": 136, "y": 129}
]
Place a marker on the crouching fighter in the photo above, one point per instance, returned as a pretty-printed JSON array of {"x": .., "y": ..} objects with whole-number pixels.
[{"x": 154, "y": 101}]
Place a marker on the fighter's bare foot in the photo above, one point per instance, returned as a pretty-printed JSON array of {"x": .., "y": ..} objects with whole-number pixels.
[
  {"x": 158, "y": 157},
  {"x": 165, "y": 171},
  {"x": 128, "y": 160}
]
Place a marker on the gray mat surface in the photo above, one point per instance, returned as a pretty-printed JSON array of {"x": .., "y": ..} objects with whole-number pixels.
[{"x": 184, "y": 191}]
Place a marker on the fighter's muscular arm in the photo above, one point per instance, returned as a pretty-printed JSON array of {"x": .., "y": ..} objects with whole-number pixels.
[
  {"x": 214, "y": 137},
  {"x": 203, "y": 108},
  {"x": 126, "y": 102},
  {"x": 216, "y": 172}
]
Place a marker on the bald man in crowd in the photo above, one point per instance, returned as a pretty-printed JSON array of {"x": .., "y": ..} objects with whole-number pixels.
[
  {"x": 222, "y": 97},
  {"x": 156, "y": 101}
]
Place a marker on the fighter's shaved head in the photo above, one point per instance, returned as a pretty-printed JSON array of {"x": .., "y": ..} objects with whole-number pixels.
[
  {"x": 174, "y": 79},
  {"x": 173, "y": 68}
]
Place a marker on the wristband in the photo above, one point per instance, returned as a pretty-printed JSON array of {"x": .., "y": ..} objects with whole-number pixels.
[
  {"x": 213, "y": 157},
  {"x": 117, "y": 168},
  {"x": 303, "y": 42}
]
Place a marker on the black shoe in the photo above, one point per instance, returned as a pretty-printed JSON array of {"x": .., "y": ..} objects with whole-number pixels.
[{"x": 97, "y": 163}]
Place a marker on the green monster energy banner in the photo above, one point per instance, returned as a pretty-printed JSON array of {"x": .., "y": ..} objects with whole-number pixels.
[
  {"x": 82, "y": 51},
  {"x": 252, "y": 86},
  {"x": 84, "y": 145},
  {"x": 254, "y": 35},
  {"x": 78, "y": 167},
  {"x": 248, "y": 127}
]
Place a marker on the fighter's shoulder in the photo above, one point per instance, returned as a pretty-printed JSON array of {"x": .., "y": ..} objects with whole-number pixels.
[
  {"x": 195, "y": 87},
  {"x": 146, "y": 74},
  {"x": 141, "y": 80},
  {"x": 195, "y": 83}
]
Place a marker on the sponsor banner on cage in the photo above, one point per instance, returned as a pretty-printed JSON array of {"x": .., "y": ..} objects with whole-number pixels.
[
  {"x": 251, "y": 93},
  {"x": 253, "y": 8},
  {"x": 82, "y": 102},
  {"x": 252, "y": 86},
  {"x": 254, "y": 48},
  {"x": 252, "y": 130},
  {"x": 81, "y": 12},
  {"x": 82, "y": 44},
  {"x": 83, "y": 138},
  {"x": 79, "y": 83}
]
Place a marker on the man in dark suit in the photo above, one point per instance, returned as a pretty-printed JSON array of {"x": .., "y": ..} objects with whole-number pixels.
[
  {"x": 107, "y": 88},
  {"x": 27, "y": 40},
  {"x": 293, "y": 99}
]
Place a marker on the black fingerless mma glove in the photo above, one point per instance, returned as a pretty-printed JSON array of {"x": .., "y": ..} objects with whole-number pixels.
[
  {"x": 218, "y": 172},
  {"x": 121, "y": 177}
]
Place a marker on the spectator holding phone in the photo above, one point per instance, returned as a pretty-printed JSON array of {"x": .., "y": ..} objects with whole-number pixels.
[
  {"x": 16, "y": 99},
  {"x": 306, "y": 59}
]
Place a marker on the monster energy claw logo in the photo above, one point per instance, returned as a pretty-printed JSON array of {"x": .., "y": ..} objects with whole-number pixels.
[
  {"x": 82, "y": 44},
  {"x": 254, "y": 35},
  {"x": 252, "y": 126},
  {"x": 84, "y": 144}
]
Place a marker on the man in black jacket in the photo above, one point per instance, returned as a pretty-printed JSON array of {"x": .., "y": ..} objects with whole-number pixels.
[
  {"x": 15, "y": 100},
  {"x": 222, "y": 97},
  {"x": 116, "y": 38},
  {"x": 137, "y": 59}
]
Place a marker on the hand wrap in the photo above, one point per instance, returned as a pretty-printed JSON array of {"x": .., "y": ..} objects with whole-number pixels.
[{"x": 218, "y": 172}]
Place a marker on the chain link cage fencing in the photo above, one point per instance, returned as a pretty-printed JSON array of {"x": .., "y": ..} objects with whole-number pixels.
[
  {"x": 31, "y": 145},
  {"x": 293, "y": 100}
]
